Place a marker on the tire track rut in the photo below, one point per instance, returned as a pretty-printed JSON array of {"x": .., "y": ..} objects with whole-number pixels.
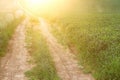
[
  {"x": 14, "y": 64},
  {"x": 65, "y": 62}
]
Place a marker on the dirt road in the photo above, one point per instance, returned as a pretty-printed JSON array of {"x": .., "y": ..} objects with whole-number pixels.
[
  {"x": 66, "y": 65},
  {"x": 14, "y": 64}
]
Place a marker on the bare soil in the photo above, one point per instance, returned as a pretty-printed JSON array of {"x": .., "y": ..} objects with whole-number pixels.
[{"x": 14, "y": 64}]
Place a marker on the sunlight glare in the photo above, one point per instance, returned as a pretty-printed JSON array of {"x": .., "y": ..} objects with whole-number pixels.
[
  {"x": 36, "y": 3},
  {"x": 54, "y": 7}
]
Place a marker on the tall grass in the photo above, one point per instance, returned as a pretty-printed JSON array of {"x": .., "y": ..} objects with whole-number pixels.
[
  {"x": 44, "y": 68},
  {"x": 96, "y": 38},
  {"x": 7, "y": 27}
]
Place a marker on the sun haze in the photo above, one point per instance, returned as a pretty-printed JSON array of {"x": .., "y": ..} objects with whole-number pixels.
[{"x": 54, "y": 7}]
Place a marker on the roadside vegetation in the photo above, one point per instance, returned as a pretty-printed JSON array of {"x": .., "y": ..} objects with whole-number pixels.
[
  {"x": 43, "y": 68},
  {"x": 8, "y": 23},
  {"x": 96, "y": 38}
]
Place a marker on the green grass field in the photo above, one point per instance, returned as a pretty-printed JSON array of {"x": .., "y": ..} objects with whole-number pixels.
[
  {"x": 96, "y": 37},
  {"x": 44, "y": 68},
  {"x": 93, "y": 31},
  {"x": 90, "y": 29},
  {"x": 7, "y": 27}
]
